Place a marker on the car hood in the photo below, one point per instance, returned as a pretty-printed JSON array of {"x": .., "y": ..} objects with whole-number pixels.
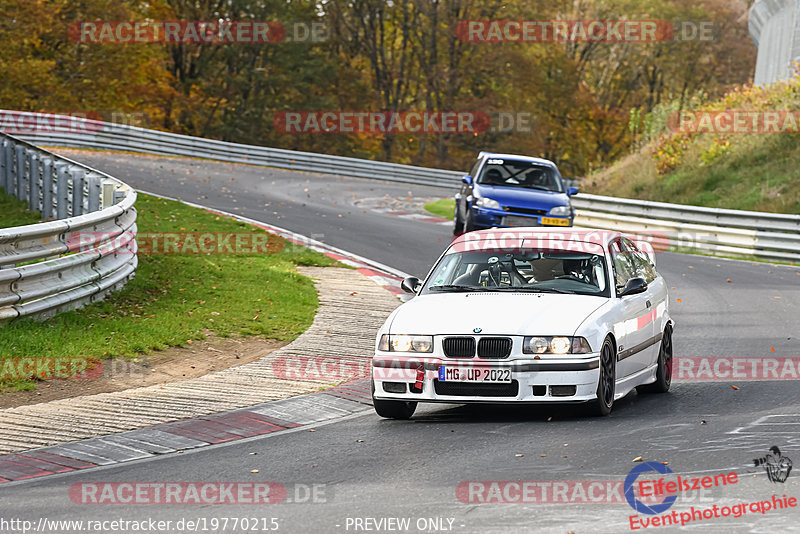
[
  {"x": 495, "y": 313},
  {"x": 523, "y": 197}
]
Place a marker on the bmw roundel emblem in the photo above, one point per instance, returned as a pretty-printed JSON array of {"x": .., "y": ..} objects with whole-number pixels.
[{"x": 477, "y": 330}]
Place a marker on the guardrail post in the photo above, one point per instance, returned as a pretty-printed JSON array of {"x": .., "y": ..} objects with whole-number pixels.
[
  {"x": 47, "y": 189},
  {"x": 78, "y": 176},
  {"x": 94, "y": 193},
  {"x": 108, "y": 194},
  {"x": 3, "y": 163},
  {"x": 35, "y": 176},
  {"x": 9, "y": 174},
  {"x": 22, "y": 176},
  {"x": 62, "y": 190}
]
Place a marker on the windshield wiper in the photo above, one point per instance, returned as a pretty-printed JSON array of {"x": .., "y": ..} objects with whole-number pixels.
[
  {"x": 455, "y": 287},
  {"x": 534, "y": 290}
]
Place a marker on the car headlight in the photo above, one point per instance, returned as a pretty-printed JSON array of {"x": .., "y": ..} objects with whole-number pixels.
[
  {"x": 485, "y": 202},
  {"x": 403, "y": 343},
  {"x": 555, "y": 345},
  {"x": 561, "y": 211}
]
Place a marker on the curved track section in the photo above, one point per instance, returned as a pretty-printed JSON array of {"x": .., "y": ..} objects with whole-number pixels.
[
  {"x": 372, "y": 469},
  {"x": 748, "y": 316}
]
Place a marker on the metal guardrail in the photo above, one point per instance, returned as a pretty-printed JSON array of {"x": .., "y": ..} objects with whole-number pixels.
[
  {"x": 87, "y": 247},
  {"x": 736, "y": 233},
  {"x": 707, "y": 230},
  {"x": 87, "y": 133}
]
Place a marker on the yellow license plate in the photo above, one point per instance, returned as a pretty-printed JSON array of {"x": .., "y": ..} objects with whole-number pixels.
[{"x": 553, "y": 221}]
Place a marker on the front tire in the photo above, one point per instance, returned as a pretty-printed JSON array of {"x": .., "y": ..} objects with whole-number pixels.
[
  {"x": 393, "y": 409},
  {"x": 469, "y": 226},
  {"x": 606, "y": 382},
  {"x": 664, "y": 370}
]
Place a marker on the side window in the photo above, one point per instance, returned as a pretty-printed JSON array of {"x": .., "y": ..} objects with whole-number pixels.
[
  {"x": 640, "y": 260},
  {"x": 624, "y": 269},
  {"x": 560, "y": 185},
  {"x": 644, "y": 261},
  {"x": 446, "y": 271}
]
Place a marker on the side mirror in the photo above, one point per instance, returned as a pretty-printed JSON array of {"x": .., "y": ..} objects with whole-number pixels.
[
  {"x": 634, "y": 286},
  {"x": 410, "y": 284},
  {"x": 467, "y": 179},
  {"x": 572, "y": 191}
]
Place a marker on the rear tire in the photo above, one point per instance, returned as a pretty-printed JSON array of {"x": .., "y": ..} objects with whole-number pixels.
[
  {"x": 458, "y": 224},
  {"x": 606, "y": 382},
  {"x": 393, "y": 409},
  {"x": 664, "y": 370}
]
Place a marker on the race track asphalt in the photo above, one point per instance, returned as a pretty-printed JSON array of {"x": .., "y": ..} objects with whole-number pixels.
[{"x": 373, "y": 468}]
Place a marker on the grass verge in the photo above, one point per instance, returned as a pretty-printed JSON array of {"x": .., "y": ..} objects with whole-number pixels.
[
  {"x": 444, "y": 208},
  {"x": 177, "y": 298},
  {"x": 15, "y": 212}
]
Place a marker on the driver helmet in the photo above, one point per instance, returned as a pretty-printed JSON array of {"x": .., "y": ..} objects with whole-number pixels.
[
  {"x": 579, "y": 268},
  {"x": 493, "y": 176}
]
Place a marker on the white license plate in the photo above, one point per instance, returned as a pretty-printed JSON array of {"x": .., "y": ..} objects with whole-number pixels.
[{"x": 451, "y": 373}]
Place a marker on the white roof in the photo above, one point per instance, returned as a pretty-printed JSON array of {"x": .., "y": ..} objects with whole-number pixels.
[{"x": 517, "y": 157}]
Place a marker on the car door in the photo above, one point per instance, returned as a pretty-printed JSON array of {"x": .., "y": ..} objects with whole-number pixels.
[
  {"x": 636, "y": 327},
  {"x": 656, "y": 297}
]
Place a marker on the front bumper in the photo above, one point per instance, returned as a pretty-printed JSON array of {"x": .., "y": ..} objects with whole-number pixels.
[
  {"x": 533, "y": 381},
  {"x": 492, "y": 218}
]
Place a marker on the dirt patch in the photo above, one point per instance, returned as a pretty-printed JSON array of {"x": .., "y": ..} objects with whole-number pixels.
[{"x": 173, "y": 364}]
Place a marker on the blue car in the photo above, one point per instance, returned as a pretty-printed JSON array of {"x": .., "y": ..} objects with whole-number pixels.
[{"x": 504, "y": 190}]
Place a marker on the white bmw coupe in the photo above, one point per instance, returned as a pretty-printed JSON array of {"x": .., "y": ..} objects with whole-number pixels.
[{"x": 527, "y": 315}]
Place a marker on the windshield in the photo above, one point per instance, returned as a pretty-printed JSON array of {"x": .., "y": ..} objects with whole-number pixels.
[
  {"x": 515, "y": 173},
  {"x": 513, "y": 270}
]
